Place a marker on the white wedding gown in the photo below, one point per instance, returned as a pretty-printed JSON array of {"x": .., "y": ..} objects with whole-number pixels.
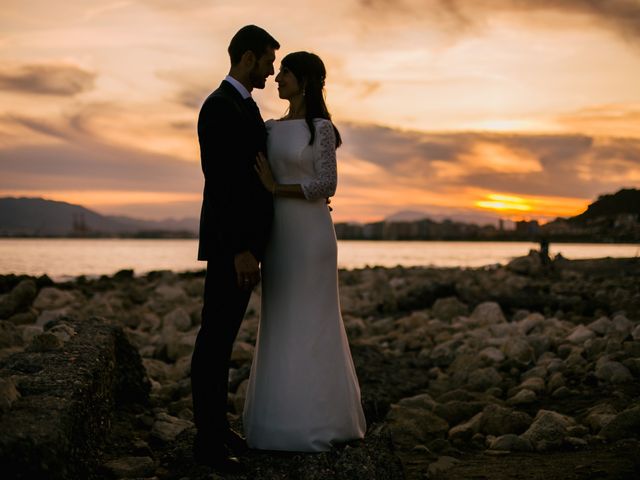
[{"x": 303, "y": 393}]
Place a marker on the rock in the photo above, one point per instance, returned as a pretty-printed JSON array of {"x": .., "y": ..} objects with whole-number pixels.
[
  {"x": 466, "y": 430},
  {"x": 456, "y": 411},
  {"x": 561, "y": 392},
  {"x": 170, "y": 293},
  {"x": 24, "y": 318},
  {"x": 576, "y": 442},
  {"x": 541, "y": 343},
  {"x": 612, "y": 372},
  {"x": 555, "y": 381},
  {"x": 180, "y": 345},
  {"x": 444, "y": 353},
  {"x": 530, "y": 323},
  {"x": 483, "y": 379},
  {"x": 578, "y": 431},
  {"x": 51, "y": 298},
  {"x": 535, "y": 384},
  {"x": 601, "y": 326},
  {"x": 580, "y": 334},
  {"x": 131, "y": 467},
  {"x": 622, "y": 324},
  {"x": 497, "y": 420},
  {"x": 45, "y": 342},
  {"x": 157, "y": 369},
  {"x": 47, "y": 316},
  {"x": 55, "y": 429},
  {"x": 528, "y": 265},
  {"x": 599, "y": 416},
  {"x": 8, "y": 393},
  {"x": 30, "y": 331},
  {"x": 440, "y": 466},
  {"x": 63, "y": 331},
  {"x": 523, "y": 397},
  {"x": 633, "y": 364},
  {"x": 636, "y": 333},
  {"x": 501, "y": 330},
  {"x": 548, "y": 430},
  {"x": 240, "y": 396},
  {"x": 178, "y": 319},
  {"x": 149, "y": 322},
  {"x": 511, "y": 442},
  {"x": 411, "y": 426},
  {"x": 487, "y": 313},
  {"x": 242, "y": 353},
  {"x": 9, "y": 335},
  {"x": 449, "y": 308},
  {"x": 625, "y": 424},
  {"x": 423, "y": 401},
  {"x": 355, "y": 326},
  {"x": 18, "y": 299},
  {"x": 518, "y": 350},
  {"x": 539, "y": 371},
  {"x": 166, "y": 428},
  {"x": 491, "y": 355}
]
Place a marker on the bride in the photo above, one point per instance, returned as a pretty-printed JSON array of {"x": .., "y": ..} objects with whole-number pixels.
[{"x": 303, "y": 393}]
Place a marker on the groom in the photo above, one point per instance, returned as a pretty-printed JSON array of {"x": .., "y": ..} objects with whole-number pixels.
[{"x": 234, "y": 225}]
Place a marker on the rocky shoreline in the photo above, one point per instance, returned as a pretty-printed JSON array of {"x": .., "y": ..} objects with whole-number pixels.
[{"x": 528, "y": 368}]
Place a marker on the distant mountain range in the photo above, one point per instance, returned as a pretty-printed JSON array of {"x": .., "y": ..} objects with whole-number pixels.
[{"x": 40, "y": 217}]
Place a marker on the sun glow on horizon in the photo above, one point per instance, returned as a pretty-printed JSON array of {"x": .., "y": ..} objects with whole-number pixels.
[{"x": 531, "y": 208}]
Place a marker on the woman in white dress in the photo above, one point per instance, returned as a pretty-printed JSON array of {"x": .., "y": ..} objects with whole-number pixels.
[{"x": 303, "y": 393}]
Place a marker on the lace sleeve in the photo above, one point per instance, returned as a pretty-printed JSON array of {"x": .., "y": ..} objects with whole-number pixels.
[{"x": 324, "y": 182}]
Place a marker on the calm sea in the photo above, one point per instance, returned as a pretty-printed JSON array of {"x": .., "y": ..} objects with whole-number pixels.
[{"x": 64, "y": 258}]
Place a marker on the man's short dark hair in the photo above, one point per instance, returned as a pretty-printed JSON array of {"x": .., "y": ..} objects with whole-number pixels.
[{"x": 250, "y": 38}]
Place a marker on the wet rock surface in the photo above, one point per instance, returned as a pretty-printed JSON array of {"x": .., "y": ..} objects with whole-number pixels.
[{"x": 465, "y": 373}]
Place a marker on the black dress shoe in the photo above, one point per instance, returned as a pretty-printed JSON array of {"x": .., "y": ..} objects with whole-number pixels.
[
  {"x": 236, "y": 442},
  {"x": 219, "y": 458}
]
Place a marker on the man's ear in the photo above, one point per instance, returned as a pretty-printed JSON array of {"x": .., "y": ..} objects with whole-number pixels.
[{"x": 248, "y": 59}]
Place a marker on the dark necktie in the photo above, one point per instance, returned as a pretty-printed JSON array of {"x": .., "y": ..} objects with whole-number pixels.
[{"x": 253, "y": 107}]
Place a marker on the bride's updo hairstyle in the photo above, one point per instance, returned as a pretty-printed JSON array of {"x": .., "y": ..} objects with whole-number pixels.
[{"x": 310, "y": 74}]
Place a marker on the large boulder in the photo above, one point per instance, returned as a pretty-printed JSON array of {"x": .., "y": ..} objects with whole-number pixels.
[
  {"x": 548, "y": 430},
  {"x": 56, "y": 427},
  {"x": 625, "y": 424}
]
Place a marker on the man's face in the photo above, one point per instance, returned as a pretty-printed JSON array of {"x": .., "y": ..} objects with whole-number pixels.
[{"x": 262, "y": 69}]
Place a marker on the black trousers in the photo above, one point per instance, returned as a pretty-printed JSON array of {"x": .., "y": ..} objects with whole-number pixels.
[{"x": 224, "y": 308}]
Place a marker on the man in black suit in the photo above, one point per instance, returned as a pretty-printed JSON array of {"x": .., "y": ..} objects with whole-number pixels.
[{"x": 235, "y": 221}]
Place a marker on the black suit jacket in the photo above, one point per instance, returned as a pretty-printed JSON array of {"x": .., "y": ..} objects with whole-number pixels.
[{"x": 237, "y": 210}]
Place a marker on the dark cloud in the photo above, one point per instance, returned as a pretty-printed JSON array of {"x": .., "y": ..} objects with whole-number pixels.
[
  {"x": 46, "y": 79},
  {"x": 69, "y": 167},
  {"x": 78, "y": 158},
  {"x": 565, "y": 165}
]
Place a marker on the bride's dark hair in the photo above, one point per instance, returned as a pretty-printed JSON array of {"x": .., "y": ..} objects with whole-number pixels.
[{"x": 310, "y": 73}]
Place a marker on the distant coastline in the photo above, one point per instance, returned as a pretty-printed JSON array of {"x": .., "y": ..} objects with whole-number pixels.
[
  {"x": 612, "y": 218},
  {"x": 192, "y": 236}
]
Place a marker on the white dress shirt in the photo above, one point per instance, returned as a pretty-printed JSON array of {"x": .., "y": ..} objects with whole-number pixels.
[{"x": 238, "y": 86}]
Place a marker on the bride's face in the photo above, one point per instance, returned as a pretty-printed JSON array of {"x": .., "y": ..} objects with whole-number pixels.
[{"x": 288, "y": 86}]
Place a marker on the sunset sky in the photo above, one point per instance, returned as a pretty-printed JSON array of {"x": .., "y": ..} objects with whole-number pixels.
[{"x": 503, "y": 108}]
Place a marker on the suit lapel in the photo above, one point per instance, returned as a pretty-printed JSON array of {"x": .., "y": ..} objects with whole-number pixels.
[{"x": 252, "y": 115}]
